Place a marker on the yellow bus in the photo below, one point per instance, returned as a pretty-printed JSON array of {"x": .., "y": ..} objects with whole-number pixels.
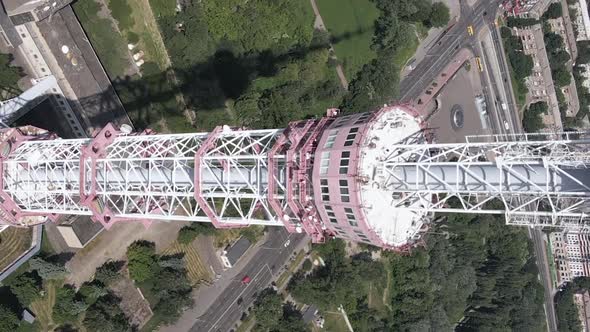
[{"x": 479, "y": 65}]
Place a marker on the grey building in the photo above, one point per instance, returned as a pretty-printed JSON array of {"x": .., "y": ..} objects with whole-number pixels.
[
  {"x": 23, "y": 11},
  {"x": 233, "y": 253},
  {"x": 78, "y": 231}
]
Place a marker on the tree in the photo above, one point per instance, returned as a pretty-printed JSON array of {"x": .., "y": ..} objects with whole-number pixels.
[
  {"x": 553, "y": 11},
  {"x": 268, "y": 309},
  {"x": 174, "y": 262},
  {"x": 519, "y": 22},
  {"x": 106, "y": 316},
  {"x": 291, "y": 320},
  {"x": 558, "y": 58},
  {"x": 187, "y": 235},
  {"x": 142, "y": 261},
  {"x": 108, "y": 272},
  {"x": 92, "y": 291},
  {"x": 26, "y": 287},
  {"x": 9, "y": 322},
  {"x": 9, "y": 75},
  {"x": 439, "y": 15},
  {"x": 47, "y": 270},
  {"x": 68, "y": 305},
  {"x": 562, "y": 77},
  {"x": 307, "y": 265},
  {"x": 553, "y": 41},
  {"x": 376, "y": 83}
]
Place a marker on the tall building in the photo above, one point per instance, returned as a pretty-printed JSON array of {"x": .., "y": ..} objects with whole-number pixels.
[
  {"x": 23, "y": 11},
  {"x": 372, "y": 177},
  {"x": 571, "y": 252}
]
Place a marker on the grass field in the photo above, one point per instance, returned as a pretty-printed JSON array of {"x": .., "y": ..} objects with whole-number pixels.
[
  {"x": 106, "y": 41},
  {"x": 13, "y": 243},
  {"x": 352, "y": 21},
  {"x": 403, "y": 55},
  {"x": 43, "y": 307},
  {"x": 197, "y": 271},
  {"x": 334, "y": 322},
  {"x": 145, "y": 26}
]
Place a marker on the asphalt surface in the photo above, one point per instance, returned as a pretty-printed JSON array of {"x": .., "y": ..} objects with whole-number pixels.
[
  {"x": 542, "y": 262},
  {"x": 264, "y": 268},
  {"x": 444, "y": 50},
  {"x": 502, "y": 90},
  {"x": 448, "y": 45}
]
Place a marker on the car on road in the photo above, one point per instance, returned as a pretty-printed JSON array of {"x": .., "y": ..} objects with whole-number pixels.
[
  {"x": 246, "y": 280},
  {"x": 470, "y": 30},
  {"x": 506, "y": 125}
]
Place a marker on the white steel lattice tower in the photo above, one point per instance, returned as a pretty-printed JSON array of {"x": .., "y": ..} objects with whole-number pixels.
[{"x": 370, "y": 177}]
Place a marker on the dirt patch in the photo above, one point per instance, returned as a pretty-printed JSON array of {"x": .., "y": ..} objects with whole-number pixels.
[
  {"x": 133, "y": 304},
  {"x": 112, "y": 244}
]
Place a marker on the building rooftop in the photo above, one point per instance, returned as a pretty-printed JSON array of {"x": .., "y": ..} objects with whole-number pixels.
[
  {"x": 309, "y": 313},
  {"x": 237, "y": 250},
  {"x": 12, "y": 36},
  {"x": 396, "y": 226},
  {"x": 84, "y": 228}
]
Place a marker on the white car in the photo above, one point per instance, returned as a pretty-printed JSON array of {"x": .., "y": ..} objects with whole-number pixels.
[{"x": 506, "y": 125}]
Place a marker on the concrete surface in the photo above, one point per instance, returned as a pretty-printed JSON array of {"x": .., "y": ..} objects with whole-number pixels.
[{"x": 461, "y": 90}]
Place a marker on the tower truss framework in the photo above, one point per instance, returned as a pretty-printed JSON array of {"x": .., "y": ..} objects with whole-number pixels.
[
  {"x": 234, "y": 177},
  {"x": 534, "y": 179}
]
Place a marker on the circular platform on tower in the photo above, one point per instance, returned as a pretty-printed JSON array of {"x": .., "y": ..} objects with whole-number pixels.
[{"x": 385, "y": 208}]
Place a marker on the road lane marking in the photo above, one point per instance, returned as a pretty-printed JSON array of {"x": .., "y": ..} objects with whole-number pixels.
[{"x": 236, "y": 299}]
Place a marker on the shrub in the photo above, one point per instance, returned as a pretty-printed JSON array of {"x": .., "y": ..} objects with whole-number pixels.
[{"x": 307, "y": 265}]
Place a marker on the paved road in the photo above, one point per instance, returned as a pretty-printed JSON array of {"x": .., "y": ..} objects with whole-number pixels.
[
  {"x": 502, "y": 91},
  {"x": 263, "y": 269},
  {"x": 543, "y": 263},
  {"x": 448, "y": 45}
]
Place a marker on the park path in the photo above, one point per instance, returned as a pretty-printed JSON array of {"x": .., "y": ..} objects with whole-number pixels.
[{"x": 319, "y": 24}]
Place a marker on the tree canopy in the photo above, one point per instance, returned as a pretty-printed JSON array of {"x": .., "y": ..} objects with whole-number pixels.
[
  {"x": 474, "y": 274},
  {"x": 553, "y": 11},
  {"x": 26, "y": 287},
  {"x": 47, "y": 270},
  {"x": 105, "y": 315},
  {"x": 9, "y": 321},
  {"x": 532, "y": 120},
  {"x": 141, "y": 260},
  {"x": 439, "y": 15},
  {"x": 268, "y": 309},
  {"x": 108, "y": 272},
  {"x": 9, "y": 75},
  {"x": 68, "y": 305}
]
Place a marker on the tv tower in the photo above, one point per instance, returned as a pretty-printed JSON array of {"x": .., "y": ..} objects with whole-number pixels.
[{"x": 369, "y": 177}]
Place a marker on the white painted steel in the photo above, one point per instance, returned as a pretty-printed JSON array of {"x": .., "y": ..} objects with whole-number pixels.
[{"x": 149, "y": 176}]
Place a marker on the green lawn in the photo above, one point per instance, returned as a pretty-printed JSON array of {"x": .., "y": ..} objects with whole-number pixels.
[
  {"x": 108, "y": 43},
  {"x": 334, "y": 322},
  {"x": 351, "y": 21},
  {"x": 403, "y": 55}
]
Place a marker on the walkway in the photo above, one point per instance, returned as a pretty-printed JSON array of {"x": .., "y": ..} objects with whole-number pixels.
[{"x": 319, "y": 24}]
